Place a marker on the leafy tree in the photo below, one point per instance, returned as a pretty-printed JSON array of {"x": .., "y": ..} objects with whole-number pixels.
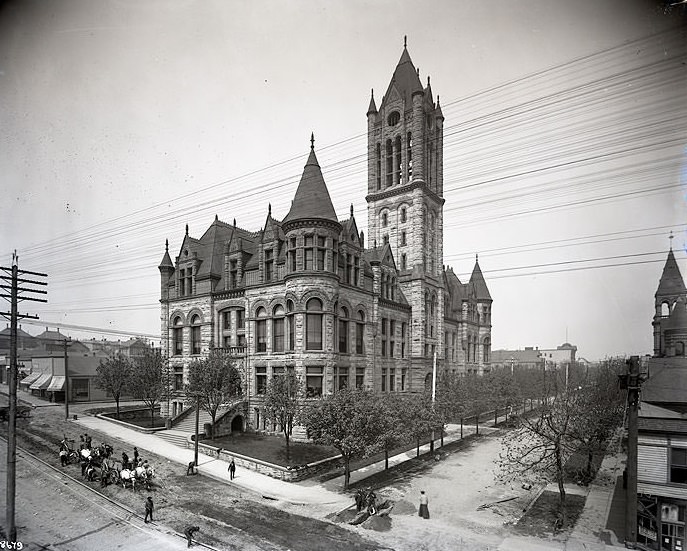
[
  {"x": 283, "y": 400},
  {"x": 212, "y": 382},
  {"x": 113, "y": 376},
  {"x": 418, "y": 417},
  {"x": 147, "y": 381},
  {"x": 501, "y": 390},
  {"x": 350, "y": 421},
  {"x": 393, "y": 431}
]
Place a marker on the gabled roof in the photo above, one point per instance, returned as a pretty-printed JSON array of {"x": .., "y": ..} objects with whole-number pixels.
[
  {"x": 381, "y": 255},
  {"x": 312, "y": 199},
  {"x": 404, "y": 80},
  {"x": 671, "y": 282},
  {"x": 479, "y": 285},
  {"x": 349, "y": 231}
]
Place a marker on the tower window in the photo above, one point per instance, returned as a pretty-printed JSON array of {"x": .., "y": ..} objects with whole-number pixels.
[
  {"x": 269, "y": 265},
  {"x": 177, "y": 337},
  {"x": 261, "y": 331},
  {"x": 385, "y": 219},
  {"x": 389, "y": 163},
  {"x": 404, "y": 215},
  {"x": 379, "y": 166},
  {"x": 394, "y": 118},
  {"x": 403, "y": 238}
]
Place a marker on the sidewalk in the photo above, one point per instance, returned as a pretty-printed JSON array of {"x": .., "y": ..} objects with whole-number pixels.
[{"x": 308, "y": 492}]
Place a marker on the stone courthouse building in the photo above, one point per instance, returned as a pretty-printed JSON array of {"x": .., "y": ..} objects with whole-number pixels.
[{"x": 307, "y": 293}]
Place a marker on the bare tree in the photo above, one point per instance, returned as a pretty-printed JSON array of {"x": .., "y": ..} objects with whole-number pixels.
[
  {"x": 113, "y": 375},
  {"x": 212, "y": 382},
  {"x": 283, "y": 401},
  {"x": 147, "y": 382}
]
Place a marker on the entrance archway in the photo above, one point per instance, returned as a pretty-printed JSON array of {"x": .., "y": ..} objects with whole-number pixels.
[{"x": 237, "y": 424}]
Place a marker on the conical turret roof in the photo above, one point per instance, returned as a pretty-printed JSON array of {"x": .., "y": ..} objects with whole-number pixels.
[
  {"x": 479, "y": 284},
  {"x": 671, "y": 282},
  {"x": 312, "y": 199},
  {"x": 166, "y": 259}
]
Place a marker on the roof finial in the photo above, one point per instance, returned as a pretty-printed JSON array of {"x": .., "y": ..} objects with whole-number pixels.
[
  {"x": 216, "y": 218},
  {"x": 405, "y": 41},
  {"x": 269, "y": 209},
  {"x": 671, "y": 239},
  {"x": 186, "y": 229},
  {"x": 418, "y": 71},
  {"x": 351, "y": 209},
  {"x": 312, "y": 141},
  {"x": 427, "y": 80},
  {"x": 476, "y": 257},
  {"x": 166, "y": 245},
  {"x": 234, "y": 222}
]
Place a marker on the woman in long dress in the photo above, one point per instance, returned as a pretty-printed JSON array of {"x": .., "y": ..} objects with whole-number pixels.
[{"x": 424, "y": 510}]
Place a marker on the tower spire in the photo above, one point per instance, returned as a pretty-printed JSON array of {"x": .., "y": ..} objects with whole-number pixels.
[
  {"x": 405, "y": 41},
  {"x": 671, "y": 239},
  {"x": 312, "y": 141}
]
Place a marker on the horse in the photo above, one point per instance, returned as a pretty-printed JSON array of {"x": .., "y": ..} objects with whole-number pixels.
[
  {"x": 128, "y": 476},
  {"x": 66, "y": 453},
  {"x": 146, "y": 474},
  {"x": 91, "y": 472}
]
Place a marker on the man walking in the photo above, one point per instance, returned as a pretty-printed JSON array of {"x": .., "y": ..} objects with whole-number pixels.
[
  {"x": 232, "y": 469},
  {"x": 189, "y": 533},
  {"x": 149, "y": 510}
]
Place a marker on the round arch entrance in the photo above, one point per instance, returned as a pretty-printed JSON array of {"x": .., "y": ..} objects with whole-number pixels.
[{"x": 237, "y": 424}]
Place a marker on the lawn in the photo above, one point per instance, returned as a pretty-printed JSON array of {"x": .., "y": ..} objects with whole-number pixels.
[
  {"x": 272, "y": 449},
  {"x": 541, "y": 519},
  {"x": 141, "y": 419}
]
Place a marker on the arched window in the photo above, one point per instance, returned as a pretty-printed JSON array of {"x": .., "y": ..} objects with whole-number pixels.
[
  {"x": 290, "y": 320},
  {"x": 313, "y": 324},
  {"x": 379, "y": 166},
  {"x": 665, "y": 309},
  {"x": 485, "y": 350},
  {"x": 177, "y": 336},
  {"x": 385, "y": 219},
  {"x": 360, "y": 332},
  {"x": 278, "y": 329},
  {"x": 261, "y": 330},
  {"x": 343, "y": 330},
  {"x": 195, "y": 334},
  {"x": 409, "y": 156}
]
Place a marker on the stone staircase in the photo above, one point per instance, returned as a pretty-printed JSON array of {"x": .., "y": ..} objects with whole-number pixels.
[
  {"x": 175, "y": 437},
  {"x": 178, "y": 435}
]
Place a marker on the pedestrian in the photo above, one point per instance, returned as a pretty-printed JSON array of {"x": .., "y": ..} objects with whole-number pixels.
[
  {"x": 189, "y": 469},
  {"x": 88, "y": 441},
  {"x": 82, "y": 444},
  {"x": 232, "y": 469},
  {"x": 135, "y": 456},
  {"x": 189, "y": 533},
  {"x": 424, "y": 510},
  {"x": 125, "y": 460},
  {"x": 149, "y": 509}
]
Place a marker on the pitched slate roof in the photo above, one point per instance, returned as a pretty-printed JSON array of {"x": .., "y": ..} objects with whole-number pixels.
[
  {"x": 671, "y": 282},
  {"x": 312, "y": 199},
  {"x": 404, "y": 80},
  {"x": 210, "y": 249},
  {"x": 666, "y": 386},
  {"x": 455, "y": 288}
]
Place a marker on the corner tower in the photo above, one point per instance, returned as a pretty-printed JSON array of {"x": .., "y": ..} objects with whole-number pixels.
[
  {"x": 669, "y": 302},
  {"x": 405, "y": 197}
]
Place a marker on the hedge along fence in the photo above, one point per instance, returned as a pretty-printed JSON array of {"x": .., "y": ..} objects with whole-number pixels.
[{"x": 288, "y": 474}]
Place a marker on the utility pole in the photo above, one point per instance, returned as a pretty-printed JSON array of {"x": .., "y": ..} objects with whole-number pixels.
[
  {"x": 66, "y": 379},
  {"x": 15, "y": 296},
  {"x": 632, "y": 381}
]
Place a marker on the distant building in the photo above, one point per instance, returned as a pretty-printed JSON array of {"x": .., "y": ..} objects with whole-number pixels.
[
  {"x": 130, "y": 348},
  {"x": 306, "y": 293},
  {"x": 529, "y": 358},
  {"x": 662, "y": 426}
]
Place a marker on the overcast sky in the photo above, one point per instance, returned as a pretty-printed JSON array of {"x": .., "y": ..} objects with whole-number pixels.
[{"x": 565, "y": 145}]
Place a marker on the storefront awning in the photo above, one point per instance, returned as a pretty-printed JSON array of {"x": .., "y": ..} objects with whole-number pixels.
[
  {"x": 41, "y": 382},
  {"x": 30, "y": 378},
  {"x": 56, "y": 384}
]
